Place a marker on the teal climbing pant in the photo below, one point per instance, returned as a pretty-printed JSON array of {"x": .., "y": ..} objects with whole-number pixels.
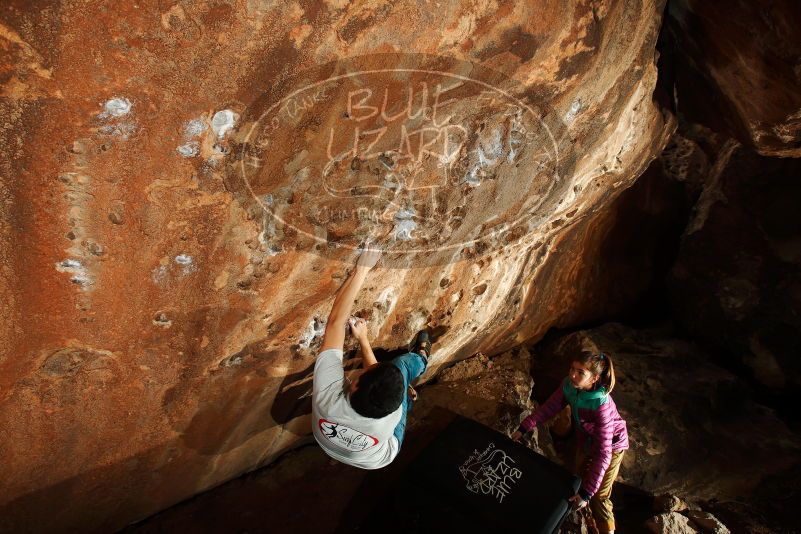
[{"x": 411, "y": 366}]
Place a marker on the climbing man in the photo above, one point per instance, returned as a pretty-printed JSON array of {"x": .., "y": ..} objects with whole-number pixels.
[{"x": 361, "y": 421}]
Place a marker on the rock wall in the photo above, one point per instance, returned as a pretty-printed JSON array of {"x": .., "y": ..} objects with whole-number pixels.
[
  {"x": 735, "y": 285},
  {"x": 738, "y": 71},
  {"x": 178, "y": 211}
]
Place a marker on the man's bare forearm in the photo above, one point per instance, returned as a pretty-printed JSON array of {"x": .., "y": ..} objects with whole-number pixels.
[
  {"x": 368, "y": 358},
  {"x": 334, "y": 337},
  {"x": 343, "y": 302}
]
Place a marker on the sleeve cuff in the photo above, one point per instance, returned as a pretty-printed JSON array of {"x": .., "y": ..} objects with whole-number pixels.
[{"x": 584, "y": 495}]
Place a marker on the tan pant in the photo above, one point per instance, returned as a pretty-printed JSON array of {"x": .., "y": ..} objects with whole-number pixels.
[{"x": 601, "y": 503}]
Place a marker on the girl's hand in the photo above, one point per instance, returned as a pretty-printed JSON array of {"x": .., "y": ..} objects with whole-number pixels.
[
  {"x": 576, "y": 502},
  {"x": 516, "y": 435},
  {"x": 368, "y": 258},
  {"x": 358, "y": 327}
]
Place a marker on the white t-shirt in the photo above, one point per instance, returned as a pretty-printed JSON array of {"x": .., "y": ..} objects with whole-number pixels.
[{"x": 342, "y": 433}]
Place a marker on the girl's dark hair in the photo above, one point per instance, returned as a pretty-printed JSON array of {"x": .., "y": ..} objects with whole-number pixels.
[
  {"x": 380, "y": 391},
  {"x": 600, "y": 364}
]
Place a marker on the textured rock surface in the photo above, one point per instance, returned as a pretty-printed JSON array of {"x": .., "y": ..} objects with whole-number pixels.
[
  {"x": 738, "y": 69},
  {"x": 735, "y": 285},
  {"x": 689, "y": 421},
  {"x": 493, "y": 391},
  {"x": 706, "y": 522},
  {"x": 668, "y": 503},
  {"x": 160, "y": 325},
  {"x": 670, "y": 523}
]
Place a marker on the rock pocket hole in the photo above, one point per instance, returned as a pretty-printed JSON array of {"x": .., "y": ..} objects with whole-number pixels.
[{"x": 161, "y": 320}]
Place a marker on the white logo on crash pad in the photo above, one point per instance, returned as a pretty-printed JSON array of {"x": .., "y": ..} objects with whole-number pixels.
[
  {"x": 353, "y": 440},
  {"x": 490, "y": 472}
]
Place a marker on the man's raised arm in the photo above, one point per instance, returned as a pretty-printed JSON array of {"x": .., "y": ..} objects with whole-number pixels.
[{"x": 334, "y": 337}]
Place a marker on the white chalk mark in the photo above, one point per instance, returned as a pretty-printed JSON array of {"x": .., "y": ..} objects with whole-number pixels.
[
  {"x": 195, "y": 127},
  {"x": 189, "y": 150},
  {"x": 68, "y": 264},
  {"x": 404, "y": 225},
  {"x": 159, "y": 274},
  {"x": 574, "y": 110},
  {"x": 79, "y": 274},
  {"x": 314, "y": 330},
  {"x": 116, "y": 107},
  {"x": 223, "y": 121},
  {"x": 122, "y": 129}
]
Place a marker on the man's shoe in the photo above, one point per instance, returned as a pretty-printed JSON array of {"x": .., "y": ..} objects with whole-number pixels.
[{"x": 422, "y": 344}]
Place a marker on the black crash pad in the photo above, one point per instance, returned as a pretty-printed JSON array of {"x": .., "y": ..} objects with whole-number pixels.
[{"x": 471, "y": 478}]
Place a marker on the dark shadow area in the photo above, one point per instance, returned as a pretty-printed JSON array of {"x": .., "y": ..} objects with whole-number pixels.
[
  {"x": 115, "y": 492},
  {"x": 294, "y": 396},
  {"x": 695, "y": 95},
  {"x": 776, "y": 503},
  {"x": 633, "y": 507},
  {"x": 469, "y": 478},
  {"x": 303, "y": 491},
  {"x": 735, "y": 286},
  {"x": 239, "y": 413},
  {"x": 647, "y": 233}
]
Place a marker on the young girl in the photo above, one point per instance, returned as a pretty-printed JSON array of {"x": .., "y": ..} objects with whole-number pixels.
[{"x": 602, "y": 435}]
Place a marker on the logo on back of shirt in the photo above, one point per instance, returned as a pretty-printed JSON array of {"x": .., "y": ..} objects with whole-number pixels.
[{"x": 345, "y": 437}]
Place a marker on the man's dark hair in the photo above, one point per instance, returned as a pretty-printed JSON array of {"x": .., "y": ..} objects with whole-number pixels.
[{"x": 380, "y": 391}]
